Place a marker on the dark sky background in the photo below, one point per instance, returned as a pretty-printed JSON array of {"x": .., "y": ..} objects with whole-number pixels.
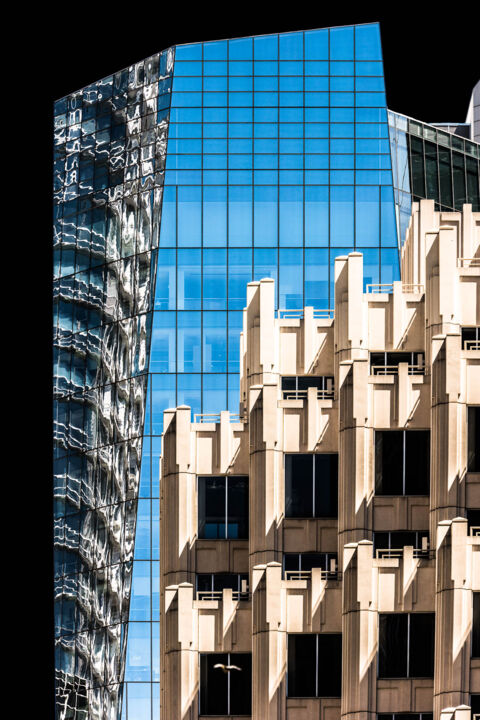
[{"x": 431, "y": 63}]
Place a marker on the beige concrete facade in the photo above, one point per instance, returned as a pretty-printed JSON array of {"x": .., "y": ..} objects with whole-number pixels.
[{"x": 424, "y": 313}]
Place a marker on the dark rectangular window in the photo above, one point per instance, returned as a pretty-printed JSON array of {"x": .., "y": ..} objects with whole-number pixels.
[
  {"x": 314, "y": 665},
  {"x": 459, "y": 180},
  {"x": 475, "y": 704},
  {"x": 417, "y": 166},
  {"x": 476, "y": 625},
  {"x": 398, "y": 539},
  {"x": 473, "y": 517},
  {"x": 302, "y": 666},
  {"x": 225, "y": 691},
  {"x": 402, "y": 462},
  {"x": 470, "y": 338},
  {"x": 473, "y": 452},
  {"x": 237, "y": 507},
  {"x": 417, "y": 462},
  {"x": 421, "y": 645},
  {"x": 445, "y": 168},
  {"x": 223, "y": 507},
  {"x": 217, "y": 582},
  {"x": 311, "y": 485},
  {"x": 305, "y": 562},
  {"x": 406, "y": 645},
  {"x": 296, "y": 387},
  {"x": 389, "y": 462},
  {"x": 431, "y": 171},
  {"x": 386, "y": 363},
  {"x": 393, "y": 645}
]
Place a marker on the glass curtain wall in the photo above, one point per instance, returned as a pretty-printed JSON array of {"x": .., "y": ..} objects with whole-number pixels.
[
  {"x": 430, "y": 163},
  {"x": 278, "y": 160},
  {"x": 109, "y": 157}
]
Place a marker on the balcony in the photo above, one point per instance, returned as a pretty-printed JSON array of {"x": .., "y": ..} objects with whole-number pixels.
[
  {"x": 378, "y": 288},
  {"x": 296, "y": 387},
  {"x": 387, "y": 363},
  {"x": 299, "y": 314},
  {"x": 307, "y": 574}
]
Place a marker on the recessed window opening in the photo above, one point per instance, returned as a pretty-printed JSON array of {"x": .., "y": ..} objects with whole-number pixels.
[
  {"x": 311, "y": 485},
  {"x": 298, "y": 565},
  {"x": 296, "y": 387},
  {"x": 470, "y": 338},
  {"x": 473, "y": 444},
  {"x": 314, "y": 665},
  {"x": 406, "y": 645},
  {"x": 227, "y": 688},
  {"x": 391, "y": 544},
  {"x": 402, "y": 462},
  {"x": 386, "y": 363},
  {"x": 210, "y": 585},
  {"x": 223, "y": 507}
]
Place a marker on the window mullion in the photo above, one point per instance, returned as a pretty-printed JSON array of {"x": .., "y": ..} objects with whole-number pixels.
[
  {"x": 228, "y": 685},
  {"x": 226, "y": 508},
  {"x": 404, "y": 463},
  {"x": 316, "y": 666},
  {"x": 313, "y": 484},
  {"x": 408, "y": 645}
]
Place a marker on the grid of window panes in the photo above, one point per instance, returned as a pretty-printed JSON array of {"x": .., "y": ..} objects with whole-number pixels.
[
  {"x": 430, "y": 163},
  {"x": 398, "y": 126},
  {"x": 443, "y": 167},
  {"x": 109, "y": 154},
  {"x": 278, "y": 160}
]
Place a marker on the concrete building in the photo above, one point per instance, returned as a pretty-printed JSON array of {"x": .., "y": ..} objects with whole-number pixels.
[{"x": 322, "y": 548}]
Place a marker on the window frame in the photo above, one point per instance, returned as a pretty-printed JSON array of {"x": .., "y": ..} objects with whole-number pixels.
[
  {"x": 404, "y": 461},
  {"x": 418, "y": 546},
  {"x": 476, "y": 450},
  {"x": 407, "y": 676},
  {"x": 229, "y": 655},
  {"x": 212, "y": 583},
  {"x": 329, "y": 556},
  {"x": 470, "y": 330},
  {"x": 317, "y": 656},
  {"x": 226, "y": 478},
  {"x": 313, "y": 515},
  {"x": 475, "y": 645},
  {"x": 327, "y": 385}
]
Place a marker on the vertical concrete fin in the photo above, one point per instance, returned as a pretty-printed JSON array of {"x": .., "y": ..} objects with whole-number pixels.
[{"x": 267, "y": 322}]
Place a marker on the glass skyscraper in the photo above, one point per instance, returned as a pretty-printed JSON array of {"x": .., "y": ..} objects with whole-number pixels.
[{"x": 177, "y": 182}]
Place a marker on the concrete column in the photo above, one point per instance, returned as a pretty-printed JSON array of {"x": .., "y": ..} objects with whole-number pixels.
[
  {"x": 359, "y": 633},
  {"x": 453, "y": 621},
  {"x": 269, "y": 656}
]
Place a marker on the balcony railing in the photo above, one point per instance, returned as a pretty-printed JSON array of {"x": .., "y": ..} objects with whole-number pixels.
[
  {"x": 468, "y": 262},
  {"x": 215, "y": 418},
  {"x": 471, "y": 345},
  {"x": 384, "y": 553},
  {"x": 388, "y": 288},
  {"x": 299, "y": 314},
  {"x": 218, "y": 594},
  {"x": 303, "y": 394},
  {"x": 306, "y": 574},
  {"x": 393, "y": 369}
]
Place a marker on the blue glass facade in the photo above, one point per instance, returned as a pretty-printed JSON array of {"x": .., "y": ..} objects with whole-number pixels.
[
  {"x": 278, "y": 159},
  {"x": 177, "y": 182}
]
